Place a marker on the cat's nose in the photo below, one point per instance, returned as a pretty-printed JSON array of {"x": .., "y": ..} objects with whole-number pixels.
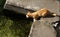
[{"x": 27, "y": 16}]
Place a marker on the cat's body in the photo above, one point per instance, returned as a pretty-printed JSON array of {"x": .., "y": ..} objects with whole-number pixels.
[{"x": 40, "y": 13}]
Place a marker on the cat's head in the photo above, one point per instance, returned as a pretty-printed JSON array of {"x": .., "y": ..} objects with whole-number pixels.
[{"x": 28, "y": 14}]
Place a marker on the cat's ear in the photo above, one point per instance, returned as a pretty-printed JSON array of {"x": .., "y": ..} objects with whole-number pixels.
[{"x": 28, "y": 12}]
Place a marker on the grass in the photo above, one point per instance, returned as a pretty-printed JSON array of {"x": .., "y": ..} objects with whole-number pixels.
[{"x": 13, "y": 24}]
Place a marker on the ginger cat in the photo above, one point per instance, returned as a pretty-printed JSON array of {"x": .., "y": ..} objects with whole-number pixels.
[{"x": 39, "y": 13}]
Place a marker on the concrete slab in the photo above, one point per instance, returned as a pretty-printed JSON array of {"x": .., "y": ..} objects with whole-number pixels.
[
  {"x": 43, "y": 28},
  {"x": 15, "y": 5}
]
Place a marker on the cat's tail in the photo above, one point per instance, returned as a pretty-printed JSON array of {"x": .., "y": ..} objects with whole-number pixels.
[{"x": 55, "y": 15}]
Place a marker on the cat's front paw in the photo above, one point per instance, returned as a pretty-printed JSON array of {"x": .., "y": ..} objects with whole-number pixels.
[{"x": 34, "y": 20}]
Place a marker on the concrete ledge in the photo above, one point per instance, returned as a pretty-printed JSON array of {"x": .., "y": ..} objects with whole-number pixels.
[
  {"x": 52, "y": 5},
  {"x": 43, "y": 28}
]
